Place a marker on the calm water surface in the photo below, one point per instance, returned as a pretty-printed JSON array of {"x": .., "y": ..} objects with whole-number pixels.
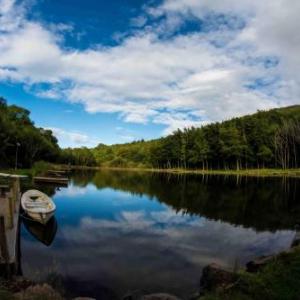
[{"x": 119, "y": 232}]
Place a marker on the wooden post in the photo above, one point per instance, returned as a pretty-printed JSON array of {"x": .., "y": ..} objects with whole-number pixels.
[
  {"x": 9, "y": 227},
  {"x": 3, "y": 245},
  {"x": 11, "y": 211},
  {"x": 15, "y": 190}
]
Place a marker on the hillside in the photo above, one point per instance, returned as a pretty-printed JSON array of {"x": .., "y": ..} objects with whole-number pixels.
[{"x": 264, "y": 139}]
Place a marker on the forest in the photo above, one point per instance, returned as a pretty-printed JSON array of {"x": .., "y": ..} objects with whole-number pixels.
[
  {"x": 266, "y": 139},
  {"x": 22, "y": 143}
]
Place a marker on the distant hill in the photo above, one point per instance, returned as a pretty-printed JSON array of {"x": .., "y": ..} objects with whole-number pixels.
[{"x": 264, "y": 139}]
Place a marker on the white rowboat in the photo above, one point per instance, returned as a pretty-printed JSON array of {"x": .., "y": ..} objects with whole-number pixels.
[{"x": 38, "y": 206}]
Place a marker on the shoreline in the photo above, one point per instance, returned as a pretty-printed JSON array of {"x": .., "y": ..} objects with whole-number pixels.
[
  {"x": 262, "y": 278},
  {"x": 217, "y": 283},
  {"x": 267, "y": 172},
  {"x": 249, "y": 172}
]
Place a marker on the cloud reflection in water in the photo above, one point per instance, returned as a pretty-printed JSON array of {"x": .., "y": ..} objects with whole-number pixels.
[{"x": 125, "y": 242}]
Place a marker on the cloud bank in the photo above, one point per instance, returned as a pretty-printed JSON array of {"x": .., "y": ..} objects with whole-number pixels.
[{"x": 244, "y": 56}]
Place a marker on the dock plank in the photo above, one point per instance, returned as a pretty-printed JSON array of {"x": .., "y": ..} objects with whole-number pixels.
[
  {"x": 57, "y": 171},
  {"x": 52, "y": 179}
]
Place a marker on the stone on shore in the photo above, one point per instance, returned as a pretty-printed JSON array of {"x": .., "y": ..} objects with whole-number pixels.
[
  {"x": 84, "y": 298},
  {"x": 254, "y": 266},
  {"x": 39, "y": 291},
  {"x": 159, "y": 296},
  {"x": 16, "y": 285},
  {"x": 215, "y": 277},
  {"x": 138, "y": 295}
]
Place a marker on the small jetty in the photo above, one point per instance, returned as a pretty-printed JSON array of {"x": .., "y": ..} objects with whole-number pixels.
[
  {"x": 53, "y": 176},
  {"x": 58, "y": 173},
  {"x": 59, "y": 180},
  {"x": 9, "y": 224}
]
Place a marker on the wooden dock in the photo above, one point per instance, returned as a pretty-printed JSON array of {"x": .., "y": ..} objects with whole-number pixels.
[
  {"x": 60, "y": 180},
  {"x": 61, "y": 172},
  {"x": 9, "y": 226}
]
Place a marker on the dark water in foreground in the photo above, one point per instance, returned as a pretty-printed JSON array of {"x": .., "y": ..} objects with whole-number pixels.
[{"x": 118, "y": 232}]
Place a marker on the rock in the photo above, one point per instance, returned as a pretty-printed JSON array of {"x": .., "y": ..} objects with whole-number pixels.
[
  {"x": 39, "y": 291},
  {"x": 16, "y": 285},
  {"x": 255, "y": 265},
  {"x": 159, "y": 296},
  {"x": 138, "y": 295},
  {"x": 296, "y": 240},
  {"x": 83, "y": 298},
  {"x": 194, "y": 296},
  {"x": 215, "y": 277},
  {"x": 134, "y": 295}
]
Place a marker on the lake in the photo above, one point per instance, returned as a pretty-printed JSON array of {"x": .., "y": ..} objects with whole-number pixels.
[{"x": 119, "y": 231}]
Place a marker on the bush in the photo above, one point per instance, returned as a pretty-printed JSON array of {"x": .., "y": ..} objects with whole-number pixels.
[{"x": 40, "y": 168}]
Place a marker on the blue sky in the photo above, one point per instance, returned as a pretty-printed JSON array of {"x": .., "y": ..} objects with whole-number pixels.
[{"x": 117, "y": 71}]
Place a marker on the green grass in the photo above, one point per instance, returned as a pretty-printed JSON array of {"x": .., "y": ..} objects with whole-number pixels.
[
  {"x": 39, "y": 168},
  {"x": 248, "y": 172},
  {"x": 279, "y": 280}
]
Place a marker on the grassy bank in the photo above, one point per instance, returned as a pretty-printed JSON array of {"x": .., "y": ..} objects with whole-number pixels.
[
  {"x": 39, "y": 168},
  {"x": 248, "y": 172},
  {"x": 279, "y": 280},
  {"x": 42, "y": 167}
]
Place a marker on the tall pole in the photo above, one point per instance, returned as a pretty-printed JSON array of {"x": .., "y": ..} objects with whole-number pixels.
[{"x": 17, "y": 147}]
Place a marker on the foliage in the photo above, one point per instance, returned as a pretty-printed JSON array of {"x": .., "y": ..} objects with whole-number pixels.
[
  {"x": 40, "y": 167},
  {"x": 265, "y": 139},
  {"x": 18, "y": 135},
  {"x": 78, "y": 156}
]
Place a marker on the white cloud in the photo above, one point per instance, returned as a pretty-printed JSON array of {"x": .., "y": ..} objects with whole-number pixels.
[
  {"x": 74, "y": 191},
  {"x": 139, "y": 21},
  {"x": 71, "y": 138},
  {"x": 163, "y": 78},
  {"x": 11, "y": 15}
]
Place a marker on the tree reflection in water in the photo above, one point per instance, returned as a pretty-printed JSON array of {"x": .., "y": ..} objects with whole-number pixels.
[{"x": 122, "y": 231}]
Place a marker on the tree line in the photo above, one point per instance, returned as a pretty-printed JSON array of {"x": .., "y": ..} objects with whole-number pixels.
[
  {"x": 264, "y": 139},
  {"x": 22, "y": 143}
]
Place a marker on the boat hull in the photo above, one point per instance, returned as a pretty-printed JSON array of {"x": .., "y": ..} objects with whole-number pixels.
[
  {"x": 43, "y": 233},
  {"x": 42, "y": 218}
]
